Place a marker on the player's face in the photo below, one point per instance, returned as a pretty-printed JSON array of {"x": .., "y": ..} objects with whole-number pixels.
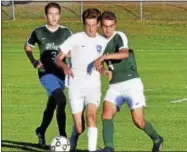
[
  {"x": 108, "y": 27},
  {"x": 91, "y": 27},
  {"x": 53, "y": 16}
]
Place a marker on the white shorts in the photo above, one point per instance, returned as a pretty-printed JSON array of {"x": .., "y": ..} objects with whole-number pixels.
[
  {"x": 83, "y": 94},
  {"x": 130, "y": 91}
]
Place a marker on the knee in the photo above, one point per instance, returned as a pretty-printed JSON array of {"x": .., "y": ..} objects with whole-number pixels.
[
  {"x": 107, "y": 114},
  {"x": 91, "y": 119},
  {"x": 139, "y": 123},
  {"x": 79, "y": 130},
  {"x": 59, "y": 96}
]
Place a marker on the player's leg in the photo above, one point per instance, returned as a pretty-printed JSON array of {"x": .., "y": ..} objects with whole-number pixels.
[
  {"x": 136, "y": 102},
  {"x": 60, "y": 99},
  {"x": 48, "y": 112},
  {"x": 76, "y": 101},
  {"x": 55, "y": 87},
  {"x": 141, "y": 123},
  {"x": 74, "y": 135},
  {"x": 91, "y": 111},
  {"x": 92, "y": 101},
  {"x": 47, "y": 117},
  {"x": 112, "y": 103}
]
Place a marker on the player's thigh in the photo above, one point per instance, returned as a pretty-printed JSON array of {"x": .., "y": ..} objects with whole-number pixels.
[
  {"x": 114, "y": 97},
  {"x": 76, "y": 100},
  {"x": 135, "y": 97},
  {"x": 93, "y": 96},
  {"x": 109, "y": 110},
  {"x": 138, "y": 115},
  {"x": 50, "y": 82}
]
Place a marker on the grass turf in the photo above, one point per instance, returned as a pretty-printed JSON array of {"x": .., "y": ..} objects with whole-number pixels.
[{"x": 160, "y": 48}]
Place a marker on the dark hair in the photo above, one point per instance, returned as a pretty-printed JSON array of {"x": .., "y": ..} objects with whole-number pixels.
[
  {"x": 107, "y": 15},
  {"x": 91, "y": 13},
  {"x": 50, "y": 5}
]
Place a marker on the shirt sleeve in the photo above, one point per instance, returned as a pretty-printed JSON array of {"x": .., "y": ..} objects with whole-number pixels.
[
  {"x": 32, "y": 39},
  {"x": 122, "y": 41},
  {"x": 67, "y": 45}
]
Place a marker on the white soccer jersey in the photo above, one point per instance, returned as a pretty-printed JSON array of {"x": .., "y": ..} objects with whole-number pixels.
[{"x": 84, "y": 50}]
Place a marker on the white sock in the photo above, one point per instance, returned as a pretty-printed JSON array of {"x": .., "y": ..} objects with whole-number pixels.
[
  {"x": 92, "y": 138},
  {"x": 74, "y": 138}
]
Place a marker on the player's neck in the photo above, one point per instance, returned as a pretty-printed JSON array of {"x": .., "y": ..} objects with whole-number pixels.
[{"x": 52, "y": 28}]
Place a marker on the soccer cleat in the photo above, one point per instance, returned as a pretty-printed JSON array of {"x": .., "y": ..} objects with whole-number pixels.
[
  {"x": 158, "y": 145},
  {"x": 41, "y": 138}
]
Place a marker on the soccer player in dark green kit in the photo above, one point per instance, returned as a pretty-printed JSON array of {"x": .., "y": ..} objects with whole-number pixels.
[
  {"x": 125, "y": 85},
  {"x": 49, "y": 37}
]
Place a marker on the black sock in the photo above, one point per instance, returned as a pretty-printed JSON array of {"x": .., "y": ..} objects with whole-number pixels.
[
  {"x": 60, "y": 99},
  {"x": 47, "y": 114}
]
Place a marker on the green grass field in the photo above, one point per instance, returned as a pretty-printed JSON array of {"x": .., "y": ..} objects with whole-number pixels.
[{"x": 161, "y": 53}]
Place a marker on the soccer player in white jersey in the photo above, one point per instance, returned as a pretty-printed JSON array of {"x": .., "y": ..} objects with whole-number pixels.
[
  {"x": 84, "y": 81},
  {"x": 125, "y": 85}
]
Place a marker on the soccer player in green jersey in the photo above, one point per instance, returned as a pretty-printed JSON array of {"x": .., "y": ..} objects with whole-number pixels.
[
  {"x": 125, "y": 85},
  {"x": 49, "y": 37}
]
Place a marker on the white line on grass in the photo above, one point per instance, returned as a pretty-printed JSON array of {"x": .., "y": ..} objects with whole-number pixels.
[
  {"x": 178, "y": 101},
  {"x": 152, "y": 89}
]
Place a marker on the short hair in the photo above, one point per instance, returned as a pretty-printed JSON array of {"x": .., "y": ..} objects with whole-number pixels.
[
  {"x": 50, "y": 5},
  {"x": 107, "y": 15},
  {"x": 91, "y": 13}
]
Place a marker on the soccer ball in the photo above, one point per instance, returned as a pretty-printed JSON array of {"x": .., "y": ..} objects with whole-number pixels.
[{"x": 59, "y": 144}]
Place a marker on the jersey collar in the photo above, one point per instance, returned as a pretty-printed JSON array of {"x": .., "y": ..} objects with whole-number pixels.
[{"x": 54, "y": 30}]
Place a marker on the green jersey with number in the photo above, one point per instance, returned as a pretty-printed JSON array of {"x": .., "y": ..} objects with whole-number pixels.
[
  {"x": 48, "y": 43},
  {"x": 124, "y": 69}
]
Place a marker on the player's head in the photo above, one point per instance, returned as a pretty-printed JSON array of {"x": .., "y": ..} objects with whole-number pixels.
[
  {"x": 91, "y": 18},
  {"x": 108, "y": 23},
  {"x": 52, "y": 13}
]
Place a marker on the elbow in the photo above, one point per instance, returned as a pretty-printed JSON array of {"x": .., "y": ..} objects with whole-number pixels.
[
  {"x": 57, "y": 61},
  {"x": 125, "y": 55}
]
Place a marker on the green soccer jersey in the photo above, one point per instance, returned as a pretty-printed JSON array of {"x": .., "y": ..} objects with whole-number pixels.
[
  {"x": 48, "y": 43},
  {"x": 124, "y": 69}
]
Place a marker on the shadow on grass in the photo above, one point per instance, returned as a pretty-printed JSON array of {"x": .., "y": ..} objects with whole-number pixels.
[
  {"x": 28, "y": 147},
  {"x": 24, "y": 146}
]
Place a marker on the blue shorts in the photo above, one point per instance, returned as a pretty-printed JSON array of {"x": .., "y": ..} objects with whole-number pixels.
[{"x": 51, "y": 82}]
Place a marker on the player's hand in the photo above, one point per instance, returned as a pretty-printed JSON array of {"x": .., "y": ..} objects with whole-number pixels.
[
  {"x": 37, "y": 64},
  {"x": 68, "y": 71},
  {"x": 108, "y": 74},
  {"x": 98, "y": 64}
]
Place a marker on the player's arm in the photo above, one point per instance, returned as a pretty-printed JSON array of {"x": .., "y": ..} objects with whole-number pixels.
[
  {"x": 58, "y": 61},
  {"x": 28, "y": 50},
  {"x": 122, "y": 54}
]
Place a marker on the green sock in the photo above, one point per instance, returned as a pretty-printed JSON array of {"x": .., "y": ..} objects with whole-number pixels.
[
  {"x": 151, "y": 132},
  {"x": 108, "y": 129}
]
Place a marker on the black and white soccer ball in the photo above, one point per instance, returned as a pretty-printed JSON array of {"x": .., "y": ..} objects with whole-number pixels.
[{"x": 60, "y": 144}]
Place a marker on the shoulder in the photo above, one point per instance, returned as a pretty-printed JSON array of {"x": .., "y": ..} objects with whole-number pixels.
[
  {"x": 121, "y": 34},
  {"x": 40, "y": 28},
  {"x": 78, "y": 35},
  {"x": 64, "y": 28}
]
